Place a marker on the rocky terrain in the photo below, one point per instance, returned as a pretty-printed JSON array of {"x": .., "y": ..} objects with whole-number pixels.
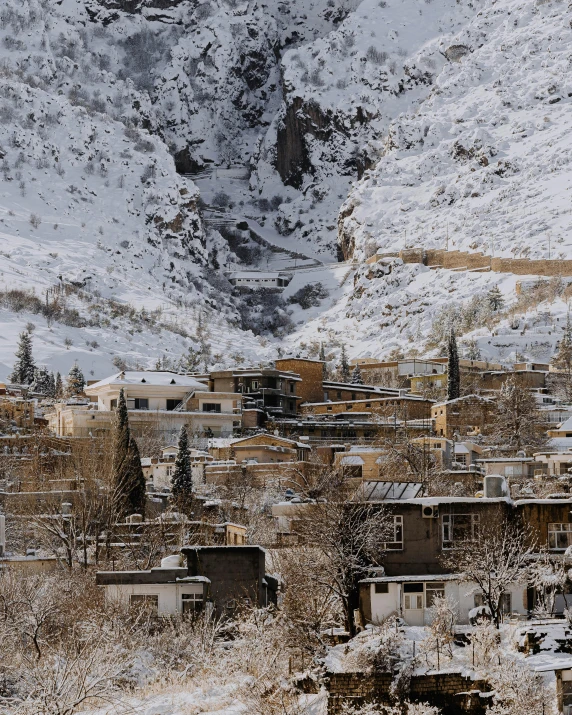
[{"x": 353, "y": 127}]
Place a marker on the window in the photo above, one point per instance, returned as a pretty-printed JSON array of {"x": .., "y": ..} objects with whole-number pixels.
[
  {"x": 349, "y": 407},
  {"x": 353, "y": 395},
  {"x": 292, "y": 386},
  {"x": 192, "y": 602},
  {"x": 329, "y": 408},
  {"x": 171, "y": 404},
  {"x": 433, "y": 590},
  {"x": 458, "y": 528},
  {"x": 254, "y": 384},
  {"x": 397, "y": 543},
  {"x": 368, "y": 404},
  {"x": 326, "y": 396},
  {"x": 382, "y": 588},
  {"x": 413, "y": 596},
  {"x": 291, "y": 406},
  {"x": 461, "y": 458},
  {"x": 113, "y": 404},
  {"x": 169, "y": 471},
  {"x": 145, "y": 602},
  {"x": 141, "y": 403},
  {"x": 211, "y": 407},
  {"x": 339, "y": 394},
  {"x": 559, "y": 536}
]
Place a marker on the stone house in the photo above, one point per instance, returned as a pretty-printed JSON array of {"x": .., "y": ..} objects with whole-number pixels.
[{"x": 470, "y": 415}]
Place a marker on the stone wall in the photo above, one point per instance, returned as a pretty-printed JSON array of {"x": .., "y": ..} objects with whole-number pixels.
[
  {"x": 457, "y": 260},
  {"x": 454, "y": 693}
]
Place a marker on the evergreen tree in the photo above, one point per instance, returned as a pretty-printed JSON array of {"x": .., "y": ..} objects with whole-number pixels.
[
  {"x": 324, "y": 362},
  {"x": 24, "y": 367},
  {"x": 453, "y": 374},
  {"x": 562, "y": 361},
  {"x": 58, "y": 386},
  {"x": 344, "y": 366},
  {"x": 41, "y": 383},
  {"x": 127, "y": 475},
  {"x": 52, "y": 386},
  {"x": 356, "y": 376},
  {"x": 182, "y": 479},
  {"x": 495, "y": 298},
  {"x": 75, "y": 381}
]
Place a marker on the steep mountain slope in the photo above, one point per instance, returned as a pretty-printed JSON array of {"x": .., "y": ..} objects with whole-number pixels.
[
  {"x": 481, "y": 164},
  {"x": 443, "y": 121}
]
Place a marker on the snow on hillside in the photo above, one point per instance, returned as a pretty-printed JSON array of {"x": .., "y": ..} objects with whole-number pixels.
[
  {"x": 454, "y": 115},
  {"x": 487, "y": 154}
]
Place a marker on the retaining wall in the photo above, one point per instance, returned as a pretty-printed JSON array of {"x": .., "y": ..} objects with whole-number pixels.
[
  {"x": 452, "y": 260},
  {"x": 454, "y": 693}
]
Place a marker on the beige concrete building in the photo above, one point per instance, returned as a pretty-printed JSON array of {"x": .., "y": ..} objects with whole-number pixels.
[{"x": 159, "y": 403}]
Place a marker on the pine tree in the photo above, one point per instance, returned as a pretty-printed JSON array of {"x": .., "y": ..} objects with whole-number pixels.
[
  {"x": 41, "y": 383},
  {"x": 75, "y": 381},
  {"x": 24, "y": 367},
  {"x": 453, "y": 374},
  {"x": 495, "y": 298},
  {"x": 324, "y": 362},
  {"x": 344, "y": 366},
  {"x": 356, "y": 375},
  {"x": 182, "y": 479},
  {"x": 58, "y": 386},
  {"x": 127, "y": 475}
]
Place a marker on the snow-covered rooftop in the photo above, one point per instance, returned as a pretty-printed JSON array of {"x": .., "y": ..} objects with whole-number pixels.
[{"x": 147, "y": 378}]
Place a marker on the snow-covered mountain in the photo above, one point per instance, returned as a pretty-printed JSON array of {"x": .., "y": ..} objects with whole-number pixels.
[{"x": 350, "y": 126}]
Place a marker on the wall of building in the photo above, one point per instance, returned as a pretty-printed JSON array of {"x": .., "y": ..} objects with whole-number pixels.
[
  {"x": 311, "y": 372},
  {"x": 169, "y": 594},
  {"x": 422, "y": 537},
  {"x": 235, "y": 573}
]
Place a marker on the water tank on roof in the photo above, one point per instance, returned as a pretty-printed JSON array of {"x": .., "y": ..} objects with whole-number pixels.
[
  {"x": 495, "y": 486},
  {"x": 172, "y": 562}
]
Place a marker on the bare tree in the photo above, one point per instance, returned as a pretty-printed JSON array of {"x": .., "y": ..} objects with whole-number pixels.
[
  {"x": 348, "y": 539},
  {"x": 494, "y": 561}
]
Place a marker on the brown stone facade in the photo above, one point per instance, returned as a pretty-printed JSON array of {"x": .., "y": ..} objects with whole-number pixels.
[
  {"x": 453, "y": 693},
  {"x": 404, "y": 408},
  {"x": 311, "y": 372},
  {"x": 466, "y": 416}
]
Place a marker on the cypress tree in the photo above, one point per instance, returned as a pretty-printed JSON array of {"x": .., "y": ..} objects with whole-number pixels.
[
  {"x": 75, "y": 381},
  {"x": 52, "y": 386},
  {"x": 344, "y": 366},
  {"x": 324, "y": 362},
  {"x": 127, "y": 475},
  {"x": 357, "y": 379},
  {"x": 182, "y": 479},
  {"x": 24, "y": 367},
  {"x": 58, "y": 386},
  {"x": 453, "y": 374}
]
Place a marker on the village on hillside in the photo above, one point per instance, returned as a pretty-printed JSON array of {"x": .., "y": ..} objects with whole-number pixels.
[{"x": 405, "y": 525}]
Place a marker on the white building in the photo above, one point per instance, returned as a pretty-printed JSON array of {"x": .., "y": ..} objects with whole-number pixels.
[
  {"x": 158, "y": 403},
  {"x": 159, "y": 470},
  {"x": 411, "y": 598},
  {"x": 259, "y": 279}
]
